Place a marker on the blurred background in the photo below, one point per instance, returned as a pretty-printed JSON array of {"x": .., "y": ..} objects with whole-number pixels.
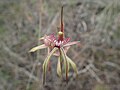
[{"x": 96, "y": 23}]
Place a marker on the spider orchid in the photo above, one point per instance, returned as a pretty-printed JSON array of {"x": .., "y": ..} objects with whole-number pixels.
[{"x": 58, "y": 47}]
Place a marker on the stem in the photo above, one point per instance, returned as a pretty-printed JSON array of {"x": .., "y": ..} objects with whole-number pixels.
[
  {"x": 61, "y": 32},
  {"x": 62, "y": 26},
  {"x": 62, "y": 19}
]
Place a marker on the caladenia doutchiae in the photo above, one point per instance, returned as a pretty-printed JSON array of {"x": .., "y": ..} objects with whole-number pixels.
[{"x": 57, "y": 46}]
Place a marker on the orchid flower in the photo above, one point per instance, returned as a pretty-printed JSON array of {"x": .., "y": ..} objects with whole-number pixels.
[{"x": 57, "y": 46}]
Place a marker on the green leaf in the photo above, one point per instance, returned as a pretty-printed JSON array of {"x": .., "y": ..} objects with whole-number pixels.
[
  {"x": 72, "y": 64},
  {"x": 45, "y": 64},
  {"x": 38, "y": 47},
  {"x": 65, "y": 62}
]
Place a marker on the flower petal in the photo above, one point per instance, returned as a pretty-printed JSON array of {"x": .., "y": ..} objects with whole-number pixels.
[
  {"x": 66, "y": 40},
  {"x": 65, "y": 62},
  {"x": 59, "y": 71},
  {"x": 45, "y": 64},
  {"x": 66, "y": 49},
  {"x": 41, "y": 38},
  {"x": 71, "y": 43},
  {"x": 73, "y": 65},
  {"x": 57, "y": 53},
  {"x": 38, "y": 47},
  {"x": 49, "y": 40}
]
